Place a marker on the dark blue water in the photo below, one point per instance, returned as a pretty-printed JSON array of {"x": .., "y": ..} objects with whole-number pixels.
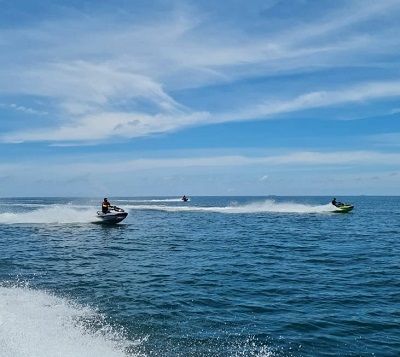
[{"x": 215, "y": 276}]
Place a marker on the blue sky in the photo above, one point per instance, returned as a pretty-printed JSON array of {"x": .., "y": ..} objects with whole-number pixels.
[{"x": 148, "y": 98}]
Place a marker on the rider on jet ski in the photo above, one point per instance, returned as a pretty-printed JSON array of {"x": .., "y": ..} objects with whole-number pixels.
[
  {"x": 336, "y": 203},
  {"x": 105, "y": 206}
]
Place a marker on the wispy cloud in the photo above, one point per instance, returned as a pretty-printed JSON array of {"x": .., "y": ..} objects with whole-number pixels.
[
  {"x": 125, "y": 81},
  {"x": 386, "y": 140},
  {"x": 102, "y": 125},
  {"x": 359, "y": 93},
  {"x": 146, "y": 176},
  {"x": 295, "y": 159},
  {"x": 21, "y": 108}
]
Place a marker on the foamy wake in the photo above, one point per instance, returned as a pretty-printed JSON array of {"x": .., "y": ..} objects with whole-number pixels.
[
  {"x": 267, "y": 206},
  {"x": 51, "y": 214},
  {"x": 151, "y": 200},
  {"x": 37, "y": 324},
  {"x": 69, "y": 214}
]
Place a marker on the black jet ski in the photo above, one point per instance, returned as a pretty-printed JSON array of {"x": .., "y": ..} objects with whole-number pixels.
[
  {"x": 185, "y": 199},
  {"x": 113, "y": 216}
]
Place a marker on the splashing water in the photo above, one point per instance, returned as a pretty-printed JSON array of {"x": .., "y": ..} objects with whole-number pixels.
[{"x": 37, "y": 324}]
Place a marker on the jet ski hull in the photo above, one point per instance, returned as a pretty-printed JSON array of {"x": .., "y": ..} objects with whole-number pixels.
[
  {"x": 343, "y": 209},
  {"x": 111, "y": 217}
]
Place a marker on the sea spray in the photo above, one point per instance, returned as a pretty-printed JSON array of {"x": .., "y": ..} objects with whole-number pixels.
[{"x": 34, "y": 323}]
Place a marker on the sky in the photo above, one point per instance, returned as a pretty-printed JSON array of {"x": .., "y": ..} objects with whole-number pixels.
[{"x": 199, "y": 97}]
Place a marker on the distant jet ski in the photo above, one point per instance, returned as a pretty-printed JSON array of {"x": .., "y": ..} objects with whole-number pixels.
[
  {"x": 113, "y": 216},
  {"x": 185, "y": 199}
]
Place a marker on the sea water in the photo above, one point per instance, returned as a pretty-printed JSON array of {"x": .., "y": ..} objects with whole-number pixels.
[{"x": 215, "y": 276}]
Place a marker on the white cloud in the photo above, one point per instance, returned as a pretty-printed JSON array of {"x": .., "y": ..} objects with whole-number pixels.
[
  {"x": 102, "y": 125},
  {"x": 202, "y": 175},
  {"x": 21, "y": 108},
  {"x": 357, "y": 93},
  {"x": 389, "y": 139},
  {"x": 120, "y": 81},
  {"x": 291, "y": 159},
  {"x": 92, "y": 85}
]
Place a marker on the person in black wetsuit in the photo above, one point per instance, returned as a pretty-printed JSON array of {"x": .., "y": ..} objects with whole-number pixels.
[
  {"x": 336, "y": 203},
  {"x": 105, "y": 206}
]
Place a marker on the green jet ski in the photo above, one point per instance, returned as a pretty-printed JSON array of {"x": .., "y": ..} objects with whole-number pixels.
[{"x": 343, "y": 208}]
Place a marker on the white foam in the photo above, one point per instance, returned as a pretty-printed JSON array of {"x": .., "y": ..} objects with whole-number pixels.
[
  {"x": 152, "y": 200},
  {"x": 51, "y": 214},
  {"x": 265, "y": 206},
  {"x": 37, "y": 324}
]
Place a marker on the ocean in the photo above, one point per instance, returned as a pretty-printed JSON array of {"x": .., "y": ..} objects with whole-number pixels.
[{"x": 215, "y": 276}]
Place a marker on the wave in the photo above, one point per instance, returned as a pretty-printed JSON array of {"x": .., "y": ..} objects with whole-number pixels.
[{"x": 36, "y": 323}]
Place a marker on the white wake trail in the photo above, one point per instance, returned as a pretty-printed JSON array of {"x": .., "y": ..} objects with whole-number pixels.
[
  {"x": 51, "y": 214},
  {"x": 265, "y": 206}
]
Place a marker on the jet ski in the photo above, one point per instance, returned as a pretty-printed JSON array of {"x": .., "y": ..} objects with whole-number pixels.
[
  {"x": 185, "y": 199},
  {"x": 113, "y": 216},
  {"x": 343, "y": 208}
]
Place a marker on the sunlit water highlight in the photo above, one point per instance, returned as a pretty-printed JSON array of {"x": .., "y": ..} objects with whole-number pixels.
[{"x": 216, "y": 276}]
